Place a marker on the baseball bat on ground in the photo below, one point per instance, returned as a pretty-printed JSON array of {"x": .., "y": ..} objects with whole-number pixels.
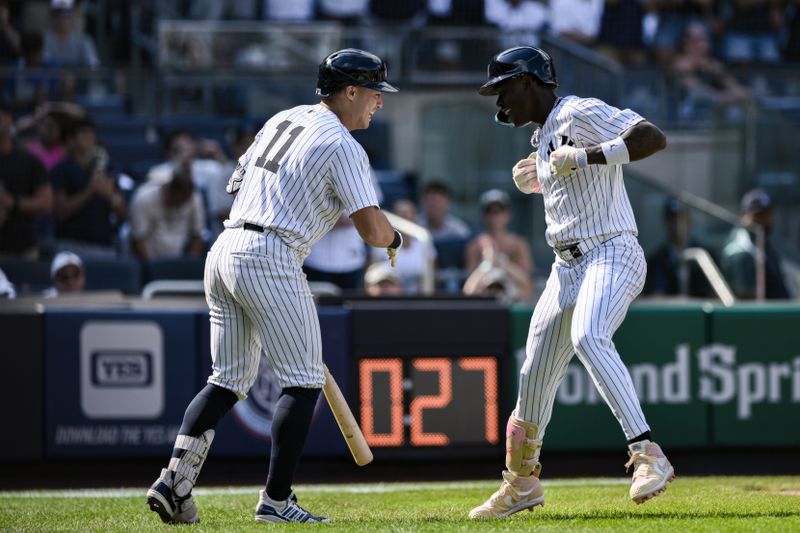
[{"x": 347, "y": 423}]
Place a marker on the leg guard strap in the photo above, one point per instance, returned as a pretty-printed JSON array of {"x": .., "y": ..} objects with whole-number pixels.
[
  {"x": 522, "y": 447},
  {"x": 188, "y": 465}
]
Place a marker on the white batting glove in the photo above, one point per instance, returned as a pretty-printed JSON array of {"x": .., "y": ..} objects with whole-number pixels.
[
  {"x": 567, "y": 159},
  {"x": 524, "y": 174}
]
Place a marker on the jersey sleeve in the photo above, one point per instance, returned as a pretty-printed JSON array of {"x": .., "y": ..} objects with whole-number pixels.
[
  {"x": 235, "y": 181},
  {"x": 351, "y": 177},
  {"x": 595, "y": 122}
]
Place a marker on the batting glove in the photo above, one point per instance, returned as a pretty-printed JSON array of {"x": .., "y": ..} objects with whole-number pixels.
[
  {"x": 567, "y": 159},
  {"x": 393, "y": 248},
  {"x": 524, "y": 173}
]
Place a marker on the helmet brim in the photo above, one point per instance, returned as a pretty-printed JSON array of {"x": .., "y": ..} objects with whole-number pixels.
[
  {"x": 382, "y": 86},
  {"x": 490, "y": 88}
]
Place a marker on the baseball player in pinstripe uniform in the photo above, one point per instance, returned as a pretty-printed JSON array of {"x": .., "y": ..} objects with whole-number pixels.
[
  {"x": 580, "y": 146},
  {"x": 302, "y": 171}
]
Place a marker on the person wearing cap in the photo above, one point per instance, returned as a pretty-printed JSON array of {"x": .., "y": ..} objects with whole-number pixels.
[
  {"x": 738, "y": 262},
  {"x": 498, "y": 247},
  {"x": 63, "y": 43},
  {"x": 664, "y": 265},
  {"x": 381, "y": 279},
  {"x": 67, "y": 274}
]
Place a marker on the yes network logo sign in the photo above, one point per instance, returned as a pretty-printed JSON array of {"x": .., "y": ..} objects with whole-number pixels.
[{"x": 122, "y": 369}]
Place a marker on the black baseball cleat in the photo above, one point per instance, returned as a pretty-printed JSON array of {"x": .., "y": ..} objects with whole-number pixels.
[{"x": 170, "y": 508}]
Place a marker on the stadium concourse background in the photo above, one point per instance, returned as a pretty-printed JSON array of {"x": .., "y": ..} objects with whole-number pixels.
[{"x": 95, "y": 385}]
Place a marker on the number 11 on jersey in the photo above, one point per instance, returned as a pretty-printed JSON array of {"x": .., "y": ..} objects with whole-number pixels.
[{"x": 273, "y": 164}]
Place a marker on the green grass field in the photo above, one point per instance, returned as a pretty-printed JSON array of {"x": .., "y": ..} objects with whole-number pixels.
[{"x": 691, "y": 504}]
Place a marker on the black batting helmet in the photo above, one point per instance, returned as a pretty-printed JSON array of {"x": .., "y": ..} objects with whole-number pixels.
[
  {"x": 352, "y": 67},
  {"x": 516, "y": 61}
]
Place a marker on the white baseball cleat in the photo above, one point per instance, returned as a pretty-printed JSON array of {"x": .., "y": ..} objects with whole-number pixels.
[
  {"x": 515, "y": 494},
  {"x": 272, "y": 511},
  {"x": 651, "y": 471},
  {"x": 170, "y": 508}
]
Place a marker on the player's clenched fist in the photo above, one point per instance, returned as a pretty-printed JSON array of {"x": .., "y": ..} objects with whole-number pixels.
[
  {"x": 524, "y": 173},
  {"x": 567, "y": 159}
]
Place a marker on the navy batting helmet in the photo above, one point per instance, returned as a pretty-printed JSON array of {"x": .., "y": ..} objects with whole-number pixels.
[
  {"x": 516, "y": 61},
  {"x": 352, "y": 67}
]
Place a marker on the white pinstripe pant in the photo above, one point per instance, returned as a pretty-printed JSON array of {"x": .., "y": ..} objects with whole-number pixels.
[
  {"x": 258, "y": 297},
  {"x": 584, "y": 302}
]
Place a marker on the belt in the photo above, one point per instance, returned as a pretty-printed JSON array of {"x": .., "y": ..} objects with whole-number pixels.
[
  {"x": 569, "y": 252},
  {"x": 253, "y": 227}
]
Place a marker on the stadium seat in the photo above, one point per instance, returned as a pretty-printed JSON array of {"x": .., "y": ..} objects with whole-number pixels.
[
  {"x": 122, "y": 274},
  {"x": 186, "y": 268},
  {"x": 450, "y": 252},
  {"x": 27, "y": 276}
]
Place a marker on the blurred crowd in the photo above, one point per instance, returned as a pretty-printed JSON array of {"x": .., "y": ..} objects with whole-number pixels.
[{"x": 66, "y": 200}]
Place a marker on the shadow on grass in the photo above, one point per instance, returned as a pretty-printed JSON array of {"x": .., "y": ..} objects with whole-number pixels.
[{"x": 663, "y": 515}]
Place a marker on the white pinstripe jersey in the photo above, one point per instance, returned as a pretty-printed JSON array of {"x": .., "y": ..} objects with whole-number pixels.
[
  {"x": 302, "y": 171},
  {"x": 591, "y": 203}
]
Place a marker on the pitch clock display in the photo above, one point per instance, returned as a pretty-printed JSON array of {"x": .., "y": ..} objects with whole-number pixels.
[{"x": 429, "y": 401}]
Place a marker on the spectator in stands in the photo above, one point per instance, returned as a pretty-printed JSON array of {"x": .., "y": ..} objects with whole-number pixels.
[
  {"x": 621, "y": 36},
  {"x": 576, "y": 20},
  {"x": 347, "y": 12},
  {"x": 436, "y": 216},
  {"x": 219, "y": 201},
  {"x": 65, "y": 44},
  {"x": 521, "y": 21},
  {"x": 7, "y": 290},
  {"x": 207, "y": 162},
  {"x": 703, "y": 82},
  {"x": 752, "y": 29},
  {"x": 340, "y": 257},
  {"x": 664, "y": 265},
  {"x": 32, "y": 85},
  {"x": 738, "y": 256},
  {"x": 9, "y": 36},
  {"x": 224, "y": 10},
  {"x": 387, "y": 12},
  {"x": 791, "y": 48},
  {"x": 24, "y": 192},
  {"x": 294, "y": 11},
  {"x": 48, "y": 146},
  {"x": 167, "y": 220},
  {"x": 497, "y": 247},
  {"x": 382, "y": 280},
  {"x": 494, "y": 281},
  {"x": 673, "y": 18},
  {"x": 411, "y": 270},
  {"x": 67, "y": 274},
  {"x": 88, "y": 206}
]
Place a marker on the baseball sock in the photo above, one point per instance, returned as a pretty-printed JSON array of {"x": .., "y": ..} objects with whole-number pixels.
[
  {"x": 643, "y": 436},
  {"x": 290, "y": 425},
  {"x": 207, "y": 408}
]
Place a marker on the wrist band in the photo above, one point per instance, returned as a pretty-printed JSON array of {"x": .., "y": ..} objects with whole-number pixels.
[
  {"x": 616, "y": 152},
  {"x": 398, "y": 240}
]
